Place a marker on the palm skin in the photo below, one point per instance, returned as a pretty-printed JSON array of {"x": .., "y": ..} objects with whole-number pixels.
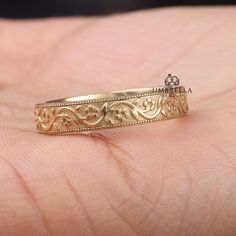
[{"x": 171, "y": 178}]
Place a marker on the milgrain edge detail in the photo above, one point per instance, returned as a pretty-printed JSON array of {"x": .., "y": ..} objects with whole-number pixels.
[{"x": 109, "y": 112}]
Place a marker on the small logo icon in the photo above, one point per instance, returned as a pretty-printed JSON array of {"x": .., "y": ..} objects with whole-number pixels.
[{"x": 171, "y": 81}]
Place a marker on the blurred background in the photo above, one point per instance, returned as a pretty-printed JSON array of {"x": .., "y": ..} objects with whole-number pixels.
[{"x": 46, "y": 8}]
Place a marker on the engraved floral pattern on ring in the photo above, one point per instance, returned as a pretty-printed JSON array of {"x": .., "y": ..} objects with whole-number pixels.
[
  {"x": 149, "y": 104},
  {"x": 110, "y": 113}
]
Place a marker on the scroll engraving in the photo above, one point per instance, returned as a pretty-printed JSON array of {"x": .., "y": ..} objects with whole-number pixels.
[{"x": 111, "y": 113}]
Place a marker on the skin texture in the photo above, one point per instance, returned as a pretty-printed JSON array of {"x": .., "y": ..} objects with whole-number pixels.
[{"x": 170, "y": 178}]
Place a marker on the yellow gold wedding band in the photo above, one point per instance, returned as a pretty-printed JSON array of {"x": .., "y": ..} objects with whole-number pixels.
[{"x": 110, "y": 110}]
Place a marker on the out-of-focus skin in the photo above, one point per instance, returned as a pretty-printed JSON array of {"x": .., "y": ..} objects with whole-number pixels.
[{"x": 163, "y": 179}]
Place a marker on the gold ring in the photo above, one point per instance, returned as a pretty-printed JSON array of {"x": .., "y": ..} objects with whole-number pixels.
[{"x": 110, "y": 110}]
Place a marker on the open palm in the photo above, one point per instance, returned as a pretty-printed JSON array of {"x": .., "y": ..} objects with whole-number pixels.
[{"x": 170, "y": 178}]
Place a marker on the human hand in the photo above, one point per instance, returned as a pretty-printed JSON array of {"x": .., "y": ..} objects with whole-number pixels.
[{"x": 171, "y": 178}]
